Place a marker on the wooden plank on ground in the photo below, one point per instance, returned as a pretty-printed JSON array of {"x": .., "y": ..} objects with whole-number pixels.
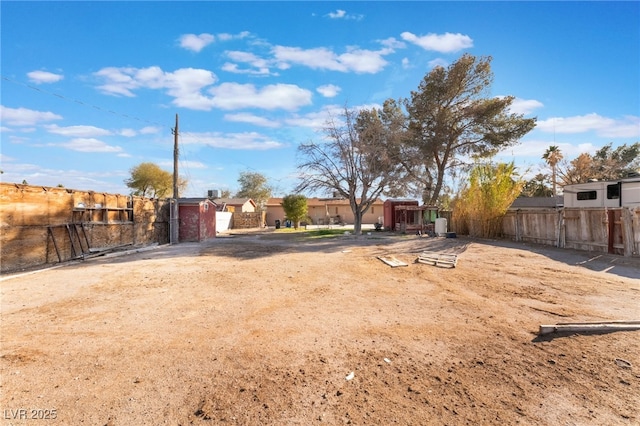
[
  {"x": 392, "y": 261},
  {"x": 606, "y": 326}
]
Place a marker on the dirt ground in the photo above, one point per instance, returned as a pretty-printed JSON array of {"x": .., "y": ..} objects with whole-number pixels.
[{"x": 266, "y": 329}]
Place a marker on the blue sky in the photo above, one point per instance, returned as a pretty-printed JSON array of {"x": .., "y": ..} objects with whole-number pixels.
[{"x": 91, "y": 89}]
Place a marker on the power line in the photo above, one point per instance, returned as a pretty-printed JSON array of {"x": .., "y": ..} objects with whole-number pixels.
[{"x": 77, "y": 101}]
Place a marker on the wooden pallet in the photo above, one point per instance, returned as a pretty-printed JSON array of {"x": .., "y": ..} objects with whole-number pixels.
[
  {"x": 445, "y": 260},
  {"x": 392, "y": 261}
]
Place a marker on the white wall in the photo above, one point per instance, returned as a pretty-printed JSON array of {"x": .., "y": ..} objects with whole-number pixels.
[{"x": 223, "y": 221}]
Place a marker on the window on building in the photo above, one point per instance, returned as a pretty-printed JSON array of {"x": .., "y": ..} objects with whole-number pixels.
[
  {"x": 372, "y": 210},
  {"x": 613, "y": 191},
  {"x": 587, "y": 195},
  {"x": 336, "y": 210}
]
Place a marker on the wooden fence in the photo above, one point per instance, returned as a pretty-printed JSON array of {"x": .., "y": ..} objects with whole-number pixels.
[{"x": 606, "y": 230}]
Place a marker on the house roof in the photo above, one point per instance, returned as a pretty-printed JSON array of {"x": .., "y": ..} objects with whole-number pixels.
[
  {"x": 318, "y": 202},
  {"x": 234, "y": 201},
  {"x": 193, "y": 200},
  {"x": 538, "y": 202}
]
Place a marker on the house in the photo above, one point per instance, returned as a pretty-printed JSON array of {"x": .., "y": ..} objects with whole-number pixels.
[
  {"x": 197, "y": 219},
  {"x": 619, "y": 193},
  {"x": 325, "y": 211},
  {"x": 240, "y": 205}
]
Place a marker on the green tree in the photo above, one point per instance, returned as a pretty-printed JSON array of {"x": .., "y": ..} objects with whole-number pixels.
[
  {"x": 254, "y": 185},
  {"x": 149, "y": 180},
  {"x": 295, "y": 208},
  {"x": 481, "y": 205},
  {"x": 537, "y": 187},
  {"x": 353, "y": 161},
  {"x": 552, "y": 156},
  {"x": 452, "y": 119}
]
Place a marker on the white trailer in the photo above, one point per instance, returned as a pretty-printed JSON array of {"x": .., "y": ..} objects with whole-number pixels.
[{"x": 618, "y": 193}]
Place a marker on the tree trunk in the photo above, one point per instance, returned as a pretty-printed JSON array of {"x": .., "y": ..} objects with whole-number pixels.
[{"x": 357, "y": 222}]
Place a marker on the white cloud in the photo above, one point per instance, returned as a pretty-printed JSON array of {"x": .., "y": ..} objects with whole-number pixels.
[
  {"x": 25, "y": 117},
  {"x": 438, "y": 62},
  {"x": 524, "y": 106},
  {"x": 184, "y": 84},
  {"x": 89, "y": 145},
  {"x": 260, "y": 65},
  {"x": 40, "y": 77},
  {"x": 276, "y": 96},
  {"x": 329, "y": 90},
  {"x": 194, "y": 42},
  {"x": 444, "y": 43},
  {"x": 241, "y": 141},
  {"x": 405, "y": 63},
  {"x": 149, "y": 130},
  {"x": 393, "y": 43},
  {"x": 342, "y": 14},
  {"x": 239, "y": 36},
  {"x": 317, "y": 120},
  {"x": 357, "y": 60},
  {"x": 128, "y": 133},
  {"x": 627, "y": 127},
  {"x": 251, "y": 119},
  {"x": 77, "y": 131}
]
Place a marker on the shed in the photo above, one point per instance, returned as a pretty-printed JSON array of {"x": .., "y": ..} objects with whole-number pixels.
[
  {"x": 392, "y": 217},
  {"x": 197, "y": 219}
]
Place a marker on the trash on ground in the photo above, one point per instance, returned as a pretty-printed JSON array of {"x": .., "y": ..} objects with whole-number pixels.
[{"x": 350, "y": 376}]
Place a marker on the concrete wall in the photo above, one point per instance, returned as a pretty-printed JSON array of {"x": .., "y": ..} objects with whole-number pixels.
[
  {"x": 44, "y": 225},
  {"x": 605, "y": 230}
]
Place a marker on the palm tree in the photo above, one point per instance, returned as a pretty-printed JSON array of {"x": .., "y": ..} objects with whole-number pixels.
[{"x": 552, "y": 156}]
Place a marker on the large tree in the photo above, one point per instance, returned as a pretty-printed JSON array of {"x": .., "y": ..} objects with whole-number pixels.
[
  {"x": 353, "y": 161},
  {"x": 149, "y": 180},
  {"x": 452, "y": 121},
  {"x": 254, "y": 185},
  {"x": 606, "y": 164},
  {"x": 552, "y": 157}
]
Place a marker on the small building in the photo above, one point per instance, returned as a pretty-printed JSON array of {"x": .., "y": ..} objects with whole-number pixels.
[
  {"x": 393, "y": 217},
  {"x": 618, "y": 193},
  {"x": 235, "y": 205},
  {"x": 197, "y": 218}
]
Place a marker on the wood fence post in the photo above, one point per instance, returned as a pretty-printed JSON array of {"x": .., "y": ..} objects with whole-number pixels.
[{"x": 627, "y": 231}]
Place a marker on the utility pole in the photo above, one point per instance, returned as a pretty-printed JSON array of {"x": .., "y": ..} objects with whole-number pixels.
[{"x": 174, "y": 219}]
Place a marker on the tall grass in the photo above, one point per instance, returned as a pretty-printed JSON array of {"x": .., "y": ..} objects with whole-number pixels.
[{"x": 483, "y": 202}]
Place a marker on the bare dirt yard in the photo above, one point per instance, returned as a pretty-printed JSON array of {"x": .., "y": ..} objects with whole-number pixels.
[{"x": 270, "y": 328}]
